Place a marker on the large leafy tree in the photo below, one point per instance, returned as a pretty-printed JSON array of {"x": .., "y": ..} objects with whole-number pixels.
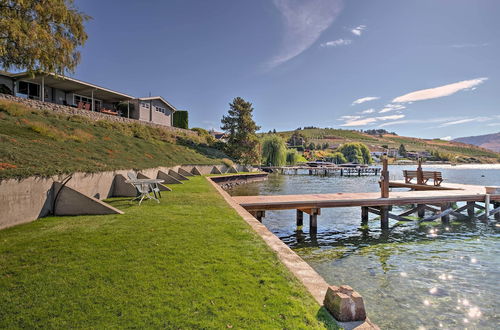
[
  {"x": 356, "y": 152},
  {"x": 41, "y": 35},
  {"x": 274, "y": 151},
  {"x": 243, "y": 143}
]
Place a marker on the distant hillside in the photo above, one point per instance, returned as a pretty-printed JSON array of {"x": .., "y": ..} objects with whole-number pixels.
[
  {"x": 45, "y": 143},
  {"x": 456, "y": 151},
  {"x": 487, "y": 141}
]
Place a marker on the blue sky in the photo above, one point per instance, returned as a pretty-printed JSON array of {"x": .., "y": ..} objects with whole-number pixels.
[{"x": 426, "y": 68}]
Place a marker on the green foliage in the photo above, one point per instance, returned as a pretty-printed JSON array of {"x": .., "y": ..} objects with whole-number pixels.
[
  {"x": 274, "y": 151},
  {"x": 83, "y": 271},
  {"x": 243, "y": 143},
  {"x": 292, "y": 156},
  {"x": 41, "y": 36},
  {"x": 337, "y": 158},
  {"x": 180, "y": 119},
  {"x": 356, "y": 152},
  {"x": 402, "y": 150},
  {"x": 311, "y": 146},
  {"x": 228, "y": 162}
]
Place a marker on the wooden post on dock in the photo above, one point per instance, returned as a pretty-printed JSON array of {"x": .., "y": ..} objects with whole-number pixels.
[
  {"x": 470, "y": 209},
  {"x": 420, "y": 173},
  {"x": 384, "y": 181},
  {"x": 364, "y": 215},
  {"x": 384, "y": 217},
  {"x": 445, "y": 218},
  {"x": 300, "y": 218},
  {"x": 421, "y": 210},
  {"x": 495, "y": 206}
]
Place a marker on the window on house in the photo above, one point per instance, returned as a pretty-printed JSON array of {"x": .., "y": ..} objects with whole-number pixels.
[
  {"x": 145, "y": 105},
  {"x": 160, "y": 109},
  {"x": 78, "y": 98},
  {"x": 31, "y": 90}
]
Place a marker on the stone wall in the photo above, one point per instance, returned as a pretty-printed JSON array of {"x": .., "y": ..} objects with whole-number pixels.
[{"x": 92, "y": 115}]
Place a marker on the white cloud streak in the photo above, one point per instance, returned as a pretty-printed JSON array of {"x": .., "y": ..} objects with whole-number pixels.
[
  {"x": 471, "y": 45},
  {"x": 365, "y": 99},
  {"x": 367, "y": 111},
  {"x": 441, "y": 91},
  {"x": 304, "y": 22},
  {"x": 358, "y": 30},
  {"x": 416, "y": 121},
  {"x": 392, "y": 107},
  {"x": 466, "y": 120},
  {"x": 367, "y": 121},
  {"x": 336, "y": 43}
]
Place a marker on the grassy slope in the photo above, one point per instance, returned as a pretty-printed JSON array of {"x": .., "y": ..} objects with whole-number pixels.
[
  {"x": 189, "y": 262},
  {"x": 44, "y": 143},
  {"x": 411, "y": 144}
]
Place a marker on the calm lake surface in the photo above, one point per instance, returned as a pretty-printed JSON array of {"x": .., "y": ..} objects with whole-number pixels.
[{"x": 411, "y": 277}]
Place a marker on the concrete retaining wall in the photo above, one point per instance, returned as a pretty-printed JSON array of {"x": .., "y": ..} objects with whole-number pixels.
[{"x": 26, "y": 200}]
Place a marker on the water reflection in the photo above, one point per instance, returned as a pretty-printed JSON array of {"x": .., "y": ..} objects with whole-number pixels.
[{"x": 412, "y": 276}]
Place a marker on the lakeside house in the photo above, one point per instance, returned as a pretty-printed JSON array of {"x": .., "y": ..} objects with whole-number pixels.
[{"x": 86, "y": 96}]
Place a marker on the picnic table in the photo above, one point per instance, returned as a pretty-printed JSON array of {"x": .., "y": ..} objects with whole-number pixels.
[{"x": 145, "y": 187}]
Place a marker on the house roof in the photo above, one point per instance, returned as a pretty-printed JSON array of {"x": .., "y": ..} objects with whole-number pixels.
[
  {"x": 72, "y": 85},
  {"x": 157, "y": 98}
]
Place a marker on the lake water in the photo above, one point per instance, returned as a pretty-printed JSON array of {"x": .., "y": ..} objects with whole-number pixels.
[{"x": 411, "y": 277}]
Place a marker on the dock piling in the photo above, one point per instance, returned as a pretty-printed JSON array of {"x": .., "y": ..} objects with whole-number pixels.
[
  {"x": 446, "y": 217},
  {"x": 300, "y": 218},
  {"x": 384, "y": 217},
  {"x": 364, "y": 215},
  {"x": 470, "y": 209}
]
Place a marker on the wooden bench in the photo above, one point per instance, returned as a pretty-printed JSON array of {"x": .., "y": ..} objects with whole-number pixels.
[{"x": 426, "y": 175}]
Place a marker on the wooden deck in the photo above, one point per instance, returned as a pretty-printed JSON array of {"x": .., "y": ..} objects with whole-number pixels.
[{"x": 371, "y": 202}]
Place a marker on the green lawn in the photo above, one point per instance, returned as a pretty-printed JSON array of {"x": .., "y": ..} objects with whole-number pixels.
[{"x": 190, "y": 262}]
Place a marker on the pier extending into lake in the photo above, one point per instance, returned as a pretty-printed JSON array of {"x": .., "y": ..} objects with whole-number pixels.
[
  {"x": 427, "y": 202},
  {"x": 323, "y": 170}
]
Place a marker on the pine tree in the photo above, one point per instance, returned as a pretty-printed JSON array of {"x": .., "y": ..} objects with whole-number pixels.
[{"x": 243, "y": 143}]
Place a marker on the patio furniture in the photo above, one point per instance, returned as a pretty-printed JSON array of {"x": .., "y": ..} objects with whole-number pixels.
[
  {"x": 87, "y": 106},
  {"x": 145, "y": 187},
  {"x": 80, "y": 105}
]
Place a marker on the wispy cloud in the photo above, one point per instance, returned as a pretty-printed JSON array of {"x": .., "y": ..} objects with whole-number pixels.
[
  {"x": 336, "y": 43},
  {"x": 367, "y": 111},
  {"x": 365, "y": 99},
  {"x": 446, "y": 138},
  {"x": 358, "y": 30},
  {"x": 392, "y": 107},
  {"x": 441, "y": 91},
  {"x": 466, "y": 120},
  {"x": 470, "y": 45},
  {"x": 416, "y": 121},
  {"x": 304, "y": 22},
  {"x": 368, "y": 120}
]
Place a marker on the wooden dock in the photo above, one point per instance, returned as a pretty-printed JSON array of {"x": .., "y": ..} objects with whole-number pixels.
[
  {"x": 323, "y": 170},
  {"x": 437, "y": 200}
]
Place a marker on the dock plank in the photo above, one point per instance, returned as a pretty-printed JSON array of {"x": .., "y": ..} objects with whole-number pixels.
[{"x": 462, "y": 193}]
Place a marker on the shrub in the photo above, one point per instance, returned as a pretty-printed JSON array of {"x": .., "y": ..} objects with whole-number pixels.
[
  {"x": 356, "y": 152},
  {"x": 273, "y": 151},
  {"x": 12, "y": 108},
  {"x": 228, "y": 162},
  {"x": 180, "y": 119},
  {"x": 292, "y": 156}
]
